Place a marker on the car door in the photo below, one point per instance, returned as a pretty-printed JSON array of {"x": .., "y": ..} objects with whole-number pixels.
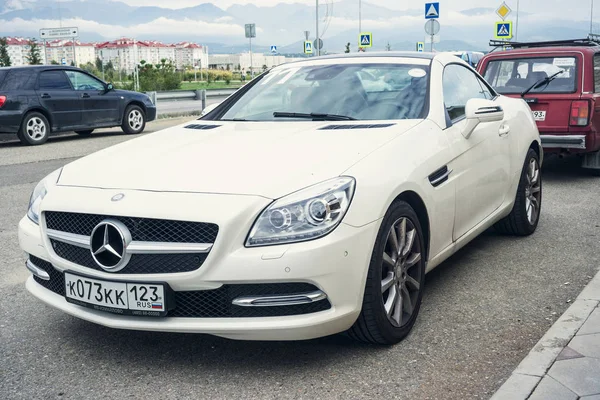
[
  {"x": 481, "y": 162},
  {"x": 101, "y": 107},
  {"x": 57, "y": 96}
]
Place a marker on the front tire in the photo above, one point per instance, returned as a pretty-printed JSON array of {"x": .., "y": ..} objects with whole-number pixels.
[
  {"x": 34, "y": 130},
  {"x": 134, "y": 120},
  {"x": 394, "y": 286},
  {"x": 525, "y": 215}
]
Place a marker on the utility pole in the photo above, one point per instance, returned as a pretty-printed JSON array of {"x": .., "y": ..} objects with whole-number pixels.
[
  {"x": 317, "y": 42},
  {"x": 592, "y": 17},
  {"x": 517, "y": 26},
  {"x": 251, "y": 67}
]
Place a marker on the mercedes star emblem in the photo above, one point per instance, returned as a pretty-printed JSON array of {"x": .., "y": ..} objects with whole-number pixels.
[
  {"x": 117, "y": 197},
  {"x": 108, "y": 245}
]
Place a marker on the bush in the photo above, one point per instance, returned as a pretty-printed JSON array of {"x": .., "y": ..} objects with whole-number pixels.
[{"x": 159, "y": 77}]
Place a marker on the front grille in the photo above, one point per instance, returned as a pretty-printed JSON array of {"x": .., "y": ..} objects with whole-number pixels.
[
  {"x": 138, "y": 264},
  {"x": 142, "y": 229},
  {"x": 214, "y": 303},
  {"x": 57, "y": 279}
]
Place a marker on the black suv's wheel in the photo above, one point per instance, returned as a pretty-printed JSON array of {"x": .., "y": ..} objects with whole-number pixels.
[
  {"x": 86, "y": 132},
  {"x": 394, "y": 286},
  {"x": 34, "y": 130},
  {"x": 525, "y": 215},
  {"x": 134, "y": 120}
]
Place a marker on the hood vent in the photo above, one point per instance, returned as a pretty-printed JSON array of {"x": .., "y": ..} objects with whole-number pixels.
[
  {"x": 201, "y": 127},
  {"x": 363, "y": 126}
]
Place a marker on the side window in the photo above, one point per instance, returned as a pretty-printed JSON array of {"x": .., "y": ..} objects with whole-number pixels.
[
  {"x": 19, "y": 79},
  {"x": 83, "y": 81},
  {"x": 54, "y": 80},
  {"x": 597, "y": 72},
  {"x": 460, "y": 85}
]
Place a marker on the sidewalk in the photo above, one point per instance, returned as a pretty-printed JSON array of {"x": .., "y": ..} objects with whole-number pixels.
[{"x": 565, "y": 363}]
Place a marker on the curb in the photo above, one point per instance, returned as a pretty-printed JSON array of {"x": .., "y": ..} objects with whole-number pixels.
[
  {"x": 528, "y": 374},
  {"x": 178, "y": 115}
]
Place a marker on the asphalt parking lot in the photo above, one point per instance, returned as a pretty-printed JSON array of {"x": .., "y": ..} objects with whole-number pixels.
[{"x": 482, "y": 312}]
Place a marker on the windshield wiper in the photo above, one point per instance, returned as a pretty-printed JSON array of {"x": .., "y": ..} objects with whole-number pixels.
[
  {"x": 313, "y": 116},
  {"x": 542, "y": 82}
]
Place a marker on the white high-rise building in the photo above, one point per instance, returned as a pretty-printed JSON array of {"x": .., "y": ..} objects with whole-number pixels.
[
  {"x": 59, "y": 50},
  {"x": 18, "y": 49}
]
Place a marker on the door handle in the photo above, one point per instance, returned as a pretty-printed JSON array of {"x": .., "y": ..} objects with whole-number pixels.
[
  {"x": 85, "y": 96},
  {"x": 504, "y": 130},
  {"x": 45, "y": 96}
]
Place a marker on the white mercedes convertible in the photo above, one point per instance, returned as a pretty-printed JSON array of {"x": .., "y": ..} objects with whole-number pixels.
[{"x": 312, "y": 201}]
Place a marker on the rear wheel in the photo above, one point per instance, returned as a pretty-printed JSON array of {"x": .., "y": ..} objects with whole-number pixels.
[
  {"x": 34, "y": 130},
  {"x": 525, "y": 215},
  {"x": 394, "y": 286},
  {"x": 86, "y": 132},
  {"x": 134, "y": 120}
]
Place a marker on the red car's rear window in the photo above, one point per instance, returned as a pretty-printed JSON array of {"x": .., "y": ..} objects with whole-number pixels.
[{"x": 514, "y": 75}]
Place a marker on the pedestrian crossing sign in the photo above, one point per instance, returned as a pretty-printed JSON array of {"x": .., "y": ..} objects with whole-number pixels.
[
  {"x": 365, "y": 39},
  {"x": 308, "y": 47},
  {"x": 420, "y": 46},
  {"x": 504, "y": 30}
]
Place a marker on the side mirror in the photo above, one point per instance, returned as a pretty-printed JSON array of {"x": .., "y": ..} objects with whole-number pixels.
[
  {"x": 209, "y": 108},
  {"x": 480, "y": 111},
  {"x": 109, "y": 87}
]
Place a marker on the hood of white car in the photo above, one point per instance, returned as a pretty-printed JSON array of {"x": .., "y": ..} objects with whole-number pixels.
[{"x": 269, "y": 159}]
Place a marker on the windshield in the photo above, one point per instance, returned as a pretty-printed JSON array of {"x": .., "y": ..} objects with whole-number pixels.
[
  {"x": 516, "y": 75},
  {"x": 357, "y": 91}
]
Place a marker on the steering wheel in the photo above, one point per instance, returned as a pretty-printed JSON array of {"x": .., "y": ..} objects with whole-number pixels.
[{"x": 386, "y": 109}]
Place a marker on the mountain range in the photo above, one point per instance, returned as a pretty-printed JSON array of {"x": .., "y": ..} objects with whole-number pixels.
[{"x": 283, "y": 24}]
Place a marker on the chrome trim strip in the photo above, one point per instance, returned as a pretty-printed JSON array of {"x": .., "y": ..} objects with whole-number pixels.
[
  {"x": 563, "y": 141},
  {"x": 137, "y": 247},
  {"x": 37, "y": 271},
  {"x": 441, "y": 178},
  {"x": 69, "y": 238},
  {"x": 283, "y": 300}
]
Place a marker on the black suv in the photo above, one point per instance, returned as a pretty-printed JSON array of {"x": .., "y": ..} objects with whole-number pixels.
[{"x": 38, "y": 100}]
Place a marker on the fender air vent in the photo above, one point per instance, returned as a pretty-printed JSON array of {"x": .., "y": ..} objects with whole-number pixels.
[
  {"x": 363, "y": 126},
  {"x": 201, "y": 127}
]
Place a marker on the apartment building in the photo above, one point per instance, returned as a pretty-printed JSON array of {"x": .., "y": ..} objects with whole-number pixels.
[
  {"x": 61, "y": 51},
  {"x": 18, "y": 49}
]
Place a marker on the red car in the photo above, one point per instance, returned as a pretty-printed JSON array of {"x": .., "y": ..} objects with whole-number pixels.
[{"x": 561, "y": 83}]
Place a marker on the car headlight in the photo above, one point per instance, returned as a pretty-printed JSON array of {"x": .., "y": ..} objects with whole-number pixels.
[
  {"x": 304, "y": 215},
  {"x": 40, "y": 191}
]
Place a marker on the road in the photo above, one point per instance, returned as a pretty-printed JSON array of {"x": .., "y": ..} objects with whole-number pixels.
[{"x": 482, "y": 312}]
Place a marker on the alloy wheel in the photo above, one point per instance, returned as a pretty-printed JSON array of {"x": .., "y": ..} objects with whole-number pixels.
[
  {"x": 401, "y": 275},
  {"x": 533, "y": 191},
  {"x": 36, "y": 128},
  {"x": 135, "y": 119}
]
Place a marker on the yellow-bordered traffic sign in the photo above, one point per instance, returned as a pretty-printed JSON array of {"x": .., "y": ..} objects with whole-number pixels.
[
  {"x": 308, "y": 47},
  {"x": 503, "y": 10},
  {"x": 504, "y": 30},
  {"x": 365, "y": 39}
]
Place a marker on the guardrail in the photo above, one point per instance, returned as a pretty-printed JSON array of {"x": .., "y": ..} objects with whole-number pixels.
[{"x": 200, "y": 95}]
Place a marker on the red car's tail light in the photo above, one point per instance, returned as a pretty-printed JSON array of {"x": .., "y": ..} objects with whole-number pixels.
[
  {"x": 2, "y": 100},
  {"x": 580, "y": 113}
]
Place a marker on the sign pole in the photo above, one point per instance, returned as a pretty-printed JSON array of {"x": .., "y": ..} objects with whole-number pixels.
[
  {"x": 74, "y": 61},
  {"x": 317, "y": 10},
  {"x": 432, "y": 43},
  {"x": 45, "y": 53},
  {"x": 517, "y": 26},
  {"x": 251, "y": 67}
]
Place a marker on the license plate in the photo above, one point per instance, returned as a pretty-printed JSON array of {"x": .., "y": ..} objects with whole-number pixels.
[
  {"x": 125, "y": 298},
  {"x": 539, "y": 115}
]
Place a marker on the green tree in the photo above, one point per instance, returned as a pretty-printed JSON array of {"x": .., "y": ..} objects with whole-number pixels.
[
  {"x": 54, "y": 62},
  {"x": 162, "y": 76},
  {"x": 33, "y": 56},
  {"x": 264, "y": 67},
  {"x": 4, "y": 57},
  {"x": 347, "y": 48},
  {"x": 98, "y": 64}
]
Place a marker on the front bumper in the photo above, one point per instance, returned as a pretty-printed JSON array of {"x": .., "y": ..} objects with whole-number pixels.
[
  {"x": 336, "y": 265},
  {"x": 150, "y": 113}
]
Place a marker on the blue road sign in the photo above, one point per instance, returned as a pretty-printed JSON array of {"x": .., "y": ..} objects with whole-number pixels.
[
  {"x": 274, "y": 49},
  {"x": 432, "y": 10},
  {"x": 420, "y": 46},
  {"x": 63, "y": 61},
  {"x": 365, "y": 40},
  {"x": 504, "y": 30},
  {"x": 308, "y": 47}
]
